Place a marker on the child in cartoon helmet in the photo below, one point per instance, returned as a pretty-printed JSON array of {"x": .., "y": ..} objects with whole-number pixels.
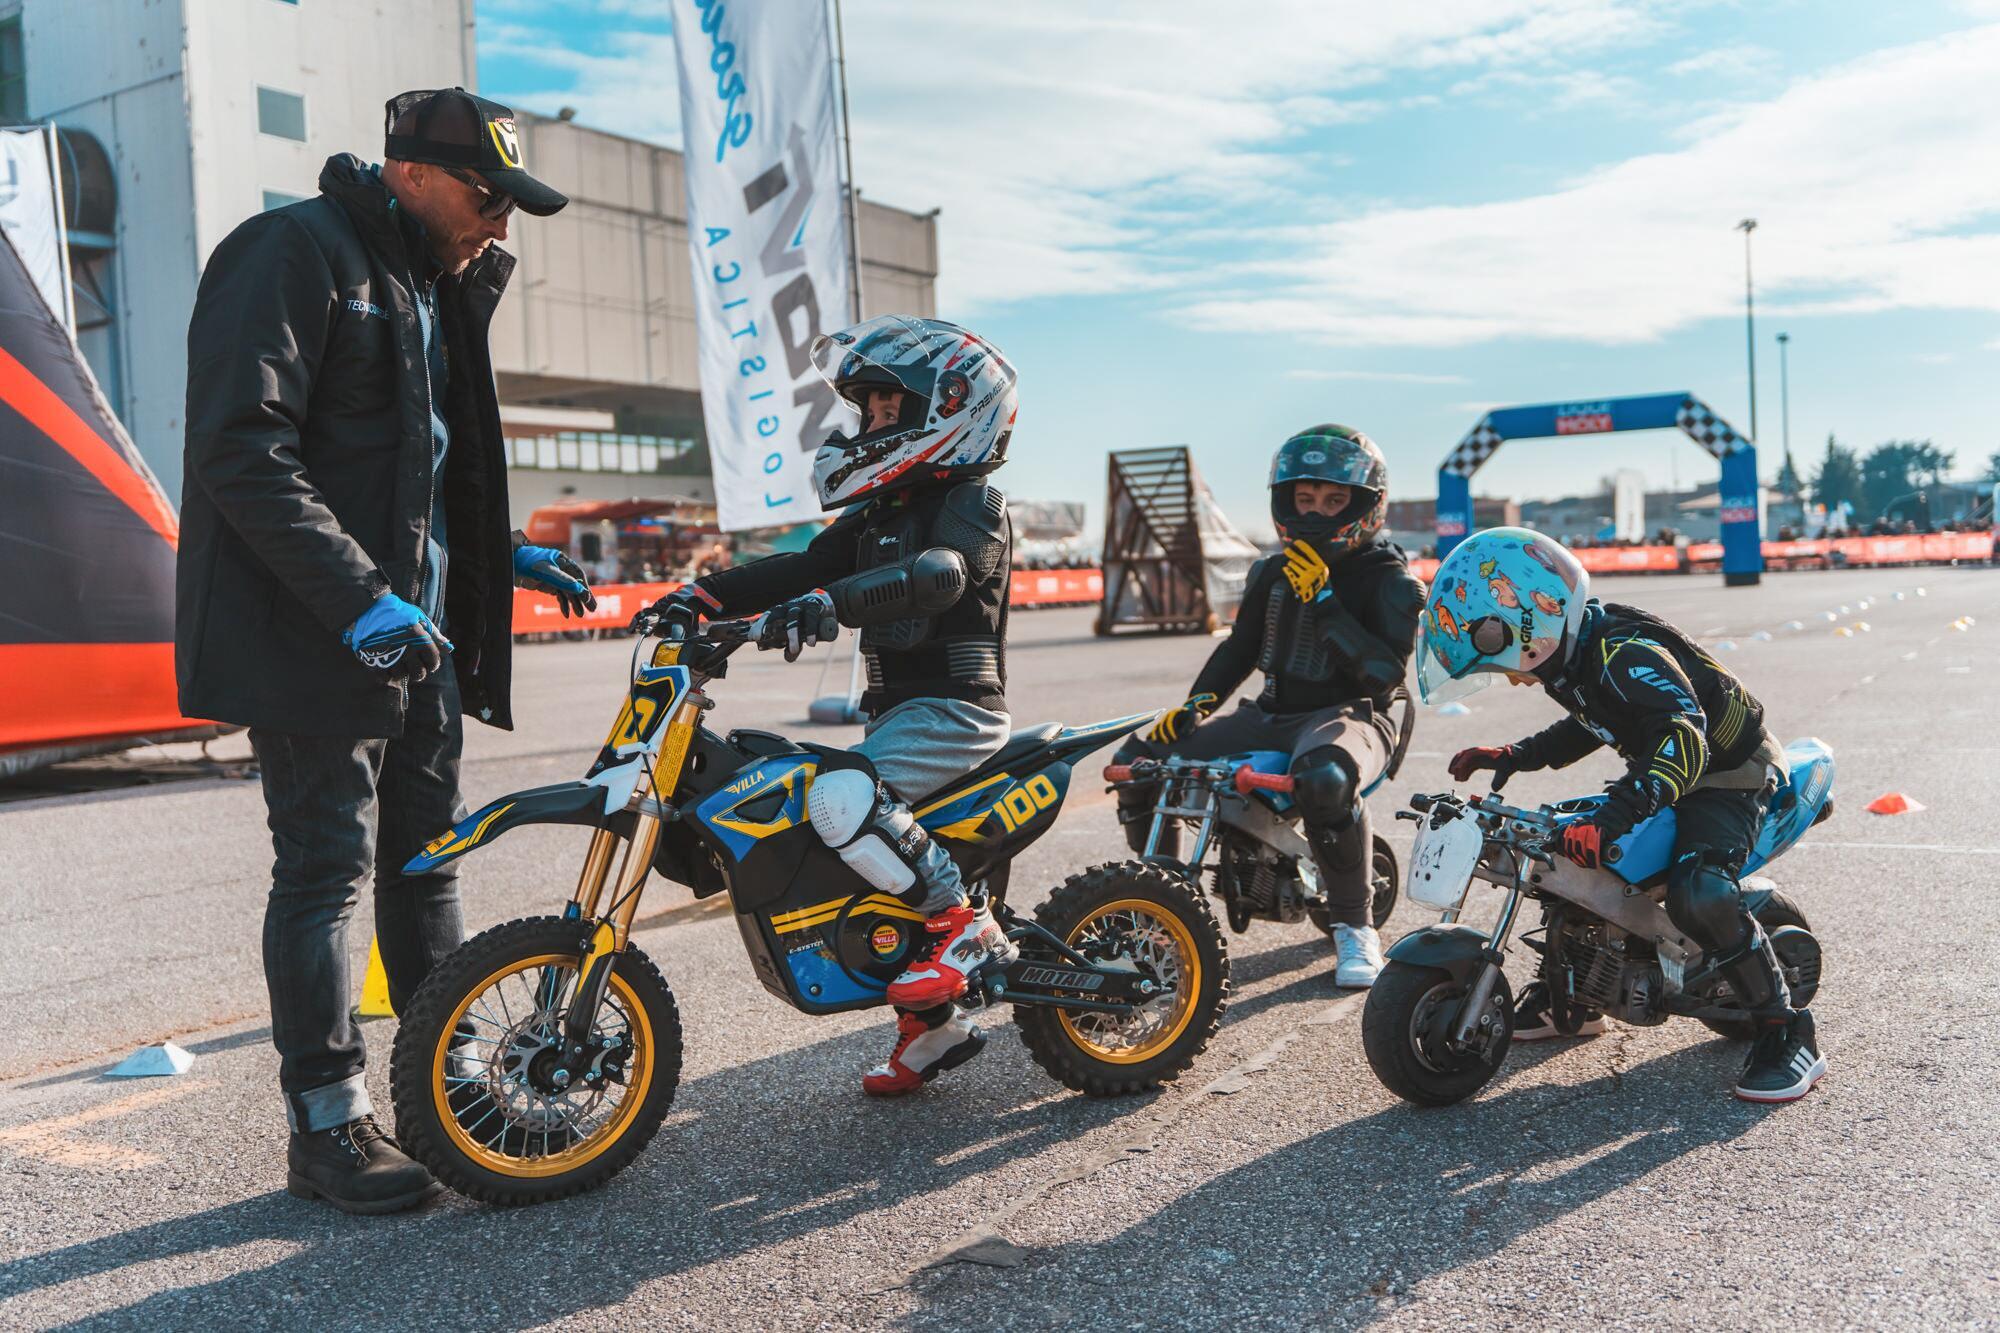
[{"x": 1514, "y": 603}]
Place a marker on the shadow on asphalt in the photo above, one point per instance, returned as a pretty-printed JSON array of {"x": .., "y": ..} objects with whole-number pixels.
[
  {"x": 753, "y": 1156},
  {"x": 1364, "y": 1211}
]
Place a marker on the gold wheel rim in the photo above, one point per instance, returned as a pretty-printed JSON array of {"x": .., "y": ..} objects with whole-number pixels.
[
  {"x": 1134, "y": 1039},
  {"x": 477, "y": 1142}
]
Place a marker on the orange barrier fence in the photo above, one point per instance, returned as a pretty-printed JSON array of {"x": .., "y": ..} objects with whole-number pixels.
[
  {"x": 1925, "y": 548},
  {"x": 617, "y": 603},
  {"x": 1055, "y": 587}
]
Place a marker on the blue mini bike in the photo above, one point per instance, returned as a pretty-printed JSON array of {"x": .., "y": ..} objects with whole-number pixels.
[{"x": 1439, "y": 1019}]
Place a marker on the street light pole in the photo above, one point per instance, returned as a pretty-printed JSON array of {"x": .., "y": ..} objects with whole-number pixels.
[
  {"x": 1785, "y": 393},
  {"x": 1746, "y": 226}
]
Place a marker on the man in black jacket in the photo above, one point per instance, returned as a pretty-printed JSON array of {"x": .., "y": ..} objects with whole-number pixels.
[
  {"x": 1331, "y": 624},
  {"x": 345, "y": 512}
]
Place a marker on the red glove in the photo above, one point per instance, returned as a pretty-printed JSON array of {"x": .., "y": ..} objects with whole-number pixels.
[
  {"x": 1583, "y": 842},
  {"x": 1499, "y": 758}
]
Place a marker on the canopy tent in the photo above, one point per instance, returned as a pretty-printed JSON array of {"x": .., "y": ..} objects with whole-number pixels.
[{"x": 88, "y": 539}]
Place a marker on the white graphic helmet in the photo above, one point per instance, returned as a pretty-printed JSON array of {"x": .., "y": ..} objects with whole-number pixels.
[{"x": 951, "y": 413}]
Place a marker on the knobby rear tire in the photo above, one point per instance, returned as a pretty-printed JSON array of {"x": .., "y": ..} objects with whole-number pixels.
[{"x": 1167, "y": 896}]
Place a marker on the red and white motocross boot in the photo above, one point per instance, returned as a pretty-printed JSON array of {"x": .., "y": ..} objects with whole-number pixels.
[
  {"x": 923, "y": 1052},
  {"x": 965, "y": 940}
]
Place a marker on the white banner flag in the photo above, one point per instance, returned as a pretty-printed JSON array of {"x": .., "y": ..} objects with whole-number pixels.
[
  {"x": 768, "y": 237},
  {"x": 28, "y": 214}
]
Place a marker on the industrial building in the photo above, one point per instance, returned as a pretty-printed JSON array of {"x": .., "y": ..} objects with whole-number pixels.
[{"x": 183, "y": 117}]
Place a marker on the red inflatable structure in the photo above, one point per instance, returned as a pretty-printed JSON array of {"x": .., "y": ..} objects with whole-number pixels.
[{"x": 87, "y": 601}]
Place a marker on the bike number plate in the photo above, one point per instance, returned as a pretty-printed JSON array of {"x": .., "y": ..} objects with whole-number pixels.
[{"x": 1442, "y": 862}]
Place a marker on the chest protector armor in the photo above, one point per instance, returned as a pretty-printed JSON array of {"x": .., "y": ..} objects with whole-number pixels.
[{"x": 960, "y": 653}]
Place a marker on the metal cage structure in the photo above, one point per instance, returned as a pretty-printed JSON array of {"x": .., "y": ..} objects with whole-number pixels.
[{"x": 1172, "y": 562}]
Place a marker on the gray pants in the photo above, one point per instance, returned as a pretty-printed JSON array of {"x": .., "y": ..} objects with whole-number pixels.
[
  {"x": 921, "y": 744},
  {"x": 917, "y": 747},
  {"x": 1344, "y": 855}
]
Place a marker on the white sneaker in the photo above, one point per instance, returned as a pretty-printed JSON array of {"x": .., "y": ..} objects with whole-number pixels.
[{"x": 1360, "y": 950}]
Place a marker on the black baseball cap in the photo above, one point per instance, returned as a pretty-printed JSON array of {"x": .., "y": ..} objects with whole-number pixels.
[{"x": 454, "y": 128}]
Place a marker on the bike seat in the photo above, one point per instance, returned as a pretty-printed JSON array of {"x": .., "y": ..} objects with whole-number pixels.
[{"x": 1018, "y": 747}]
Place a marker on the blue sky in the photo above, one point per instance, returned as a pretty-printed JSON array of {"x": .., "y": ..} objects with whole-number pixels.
[{"x": 1212, "y": 225}]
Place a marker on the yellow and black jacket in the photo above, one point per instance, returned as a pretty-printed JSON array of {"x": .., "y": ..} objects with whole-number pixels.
[{"x": 1639, "y": 685}]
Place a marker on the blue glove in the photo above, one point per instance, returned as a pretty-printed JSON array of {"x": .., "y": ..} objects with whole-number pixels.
[
  {"x": 545, "y": 569},
  {"x": 393, "y": 638}
]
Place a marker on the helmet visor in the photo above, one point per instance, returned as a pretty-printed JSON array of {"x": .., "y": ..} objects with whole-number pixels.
[
  {"x": 1324, "y": 458},
  {"x": 1457, "y": 657}
]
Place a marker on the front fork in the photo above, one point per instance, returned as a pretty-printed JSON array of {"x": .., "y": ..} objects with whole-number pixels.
[
  {"x": 1467, "y": 1029},
  {"x": 1184, "y": 797},
  {"x": 607, "y": 939}
]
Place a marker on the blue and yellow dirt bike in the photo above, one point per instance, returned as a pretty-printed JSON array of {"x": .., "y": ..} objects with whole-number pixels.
[{"x": 541, "y": 1057}]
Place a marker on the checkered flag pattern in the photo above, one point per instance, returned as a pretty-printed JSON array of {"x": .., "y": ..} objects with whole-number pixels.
[
  {"x": 1705, "y": 428},
  {"x": 1478, "y": 446}
]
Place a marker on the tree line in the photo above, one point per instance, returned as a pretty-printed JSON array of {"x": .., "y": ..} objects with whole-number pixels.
[{"x": 1873, "y": 481}]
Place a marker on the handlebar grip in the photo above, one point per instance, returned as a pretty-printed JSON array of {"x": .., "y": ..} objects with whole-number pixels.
[
  {"x": 1118, "y": 772},
  {"x": 1613, "y": 854},
  {"x": 1248, "y": 780}
]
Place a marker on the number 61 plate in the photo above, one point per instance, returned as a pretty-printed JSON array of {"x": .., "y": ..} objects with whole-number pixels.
[{"x": 1442, "y": 862}]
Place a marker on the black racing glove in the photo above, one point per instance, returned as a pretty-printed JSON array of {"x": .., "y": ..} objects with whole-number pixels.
[
  {"x": 798, "y": 624},
  {"x": 678, "y": 614}
]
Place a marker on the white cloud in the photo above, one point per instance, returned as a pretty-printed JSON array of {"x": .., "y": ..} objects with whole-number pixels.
[
  {"x": 1727, "y": 62},
  {"x": 1877, "y": 186},
  {"x": 1049, "y": 135},
  {"x": 1385, "y": 376},
  {"x": 1070, "y": 149}
]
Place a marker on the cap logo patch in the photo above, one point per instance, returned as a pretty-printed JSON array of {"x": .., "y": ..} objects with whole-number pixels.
[
  {"x": 502, "y": 130},
  {"x": 1315, "y": 456}
]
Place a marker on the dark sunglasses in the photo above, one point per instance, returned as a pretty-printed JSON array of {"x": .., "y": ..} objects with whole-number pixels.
[{"x": 495, "y": 205}]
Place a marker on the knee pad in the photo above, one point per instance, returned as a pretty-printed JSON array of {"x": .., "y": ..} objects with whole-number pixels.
[
  {"x": 874, "y": 834},
  {"x": 1702, "y": 899},
  {"x": 1323, "y": 785}
]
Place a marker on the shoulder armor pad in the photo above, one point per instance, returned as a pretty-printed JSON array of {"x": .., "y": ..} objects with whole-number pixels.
[
  {"x": 1405, "y": 593},
  {"x": 973, "y": 522}
]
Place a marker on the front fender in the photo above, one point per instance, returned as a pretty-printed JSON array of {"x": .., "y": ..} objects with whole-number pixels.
[
  {"x": 563, "y": 803},
  {"x": 1459, "y": 950}
]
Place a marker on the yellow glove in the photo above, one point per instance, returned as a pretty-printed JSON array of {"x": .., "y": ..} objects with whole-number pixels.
[
  {"x": 1178, "y": 722},
  {"x": 1305, "y": 570}
]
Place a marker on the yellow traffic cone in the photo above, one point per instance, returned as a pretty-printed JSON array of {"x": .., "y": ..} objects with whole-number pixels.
[{"x": 375, "y": 987}]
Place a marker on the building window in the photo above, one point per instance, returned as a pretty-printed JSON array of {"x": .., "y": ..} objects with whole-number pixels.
[
  {"x": 279, "y": 199},
  {"x": 594, "y": 451},
  {"x": 282, "y": 115},
  {"x": 13, "y": 74}
]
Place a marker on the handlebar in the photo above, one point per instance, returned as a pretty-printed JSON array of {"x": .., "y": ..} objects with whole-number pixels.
[
  {"x": 1244, "y": 778},
  {"x": 1249, "y": 779}
]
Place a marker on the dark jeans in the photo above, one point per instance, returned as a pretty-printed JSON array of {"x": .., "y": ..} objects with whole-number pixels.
[
  {"x": 1714, "y": 830},
  {"x": 1344, "y": 855},
  {"x": 341, "y": 812}
]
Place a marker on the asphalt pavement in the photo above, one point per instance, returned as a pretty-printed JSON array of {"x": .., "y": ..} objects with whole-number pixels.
[{"x": 1609, "y": 1182}]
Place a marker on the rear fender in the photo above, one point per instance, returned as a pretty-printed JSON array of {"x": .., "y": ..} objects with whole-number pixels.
[
  {"x": 563, "y": 803},
  {"x": 1459, "y": 950}
]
